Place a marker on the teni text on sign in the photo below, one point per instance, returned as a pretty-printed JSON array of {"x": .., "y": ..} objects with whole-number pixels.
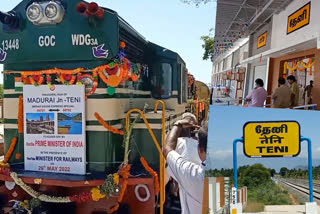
[{"x": 272, "y": 139}]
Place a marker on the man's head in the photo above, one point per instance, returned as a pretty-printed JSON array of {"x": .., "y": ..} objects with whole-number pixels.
[
  {"x": 203, "y": 139},
  {"x": 193, "y": 120},
  {"x": 259, "y": 82},
  {"x": 281, "y": 81},
  {"x": 190, "y": 116},
  {"x": 291, "y": 79},
  {"x": 311, "y": 82}
]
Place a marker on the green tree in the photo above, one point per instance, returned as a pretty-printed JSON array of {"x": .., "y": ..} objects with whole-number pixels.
[
  {"x": 242, "y": 169},
  {"x": 272, "y": 172},
  {"x": 208, "y": 46},
  {"x": 255, "y": 175},
  {"x": 283, "y": 171}
]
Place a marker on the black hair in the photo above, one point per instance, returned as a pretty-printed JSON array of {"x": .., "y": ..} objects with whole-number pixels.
[
  {"x": 203, "y": 135},
  {"x": 282, "y": 81},
  {"x": 291, "y": 77},
  {"x": 259, "y": 82}
]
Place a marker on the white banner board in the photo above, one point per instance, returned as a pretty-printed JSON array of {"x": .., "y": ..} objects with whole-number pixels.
[{"x": 54, "y": 128}]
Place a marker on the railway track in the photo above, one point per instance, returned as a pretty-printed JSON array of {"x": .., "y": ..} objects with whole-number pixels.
[{"x": 302, "y": 188}]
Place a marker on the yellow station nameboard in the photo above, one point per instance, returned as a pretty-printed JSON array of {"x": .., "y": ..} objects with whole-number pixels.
[
  {"x": 299, "y": 19},
  {"x": 271, "y": 139},
  {"x": 262, "y": 40}
]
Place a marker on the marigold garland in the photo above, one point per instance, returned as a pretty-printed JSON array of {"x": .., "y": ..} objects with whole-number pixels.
[
  {"x": 112, "y": 74},
  {"x": 67, "y": 79},
  {"x": 20, "y": 115},
  {"x": 35, "y": 79},
  {"x": 10, "y": 150},
  {"x": 296, "y": 66},
  {"x": 124, "y": 172},
  {"x": 107, "y": 126},
  {"x": 53, "y": 199},
  {"x": 96, "y": 194},
  {"x": 114, "y": 208},
  {"x": 25, "y": 187},
  {"x": 4, "y": 168},
  {"x": 153, "y": 173}
]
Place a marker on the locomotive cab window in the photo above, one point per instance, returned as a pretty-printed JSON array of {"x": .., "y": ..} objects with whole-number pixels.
[
  {"x": 162, "y": 81},
  {"x": 184, "y": 84}
]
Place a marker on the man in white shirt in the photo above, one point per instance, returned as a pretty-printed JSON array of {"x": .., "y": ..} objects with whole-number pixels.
[
  {"x": 189, "y": 175},
  {"x": 187, "y": 147}
]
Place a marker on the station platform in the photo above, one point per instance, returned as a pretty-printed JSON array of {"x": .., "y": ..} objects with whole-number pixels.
[{"x": 282, "y": 209}]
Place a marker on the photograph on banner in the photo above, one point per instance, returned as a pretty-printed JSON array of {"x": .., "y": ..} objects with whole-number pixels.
[
  {"x": 261, "y": 159},
  {"x": 69, "y": 123},
  {"x": 40, "y": 123},
  {"x": 55, "y": 129}
]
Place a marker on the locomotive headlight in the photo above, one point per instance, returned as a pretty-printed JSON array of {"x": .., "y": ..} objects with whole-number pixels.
[
  {"x": 51, "y": 11},
  {"x": 34, "y": 12},
  {"x": 54, "y": 12}
]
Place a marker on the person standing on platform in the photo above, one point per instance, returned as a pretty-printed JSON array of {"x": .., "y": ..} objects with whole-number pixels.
[
  {"x": 294, "y": 88},
  {"x": 282, "y": 96},
  {"x": 258, "y": 95},
  {"x": 301, "y": 95},
  {"x": 308, "y": 91}
]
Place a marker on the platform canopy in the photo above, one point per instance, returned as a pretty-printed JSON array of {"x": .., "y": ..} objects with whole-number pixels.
[{"x": 236, "y": 19}]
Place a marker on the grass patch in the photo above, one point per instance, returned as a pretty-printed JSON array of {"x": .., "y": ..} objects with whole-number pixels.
[
  {"x": 254, "y": 206},
  {"x": 269, "y": 194}
]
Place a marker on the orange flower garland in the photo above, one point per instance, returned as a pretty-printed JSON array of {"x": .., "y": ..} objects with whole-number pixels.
[
  {"x": 62, "y": 72},
  {"x": 153, "y": 173},
  {"x": 36, "y": 82},
  {"x": 64, "y": 81},
  {"x": 20, "y": 115},
  {"x": 10, "y": 150},
  {"x": 124, "y": 172},
  {"x": 111, "y": 80},
  {"x": 112, "y": 74},
  {"x": 114, "y": 208},
  {"x": 107, "y": 126}
]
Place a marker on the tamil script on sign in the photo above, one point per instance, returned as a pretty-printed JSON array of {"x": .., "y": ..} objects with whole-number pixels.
[{"x": 272, "y": 139}]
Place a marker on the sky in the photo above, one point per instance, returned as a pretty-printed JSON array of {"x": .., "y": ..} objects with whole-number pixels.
[
  {"x": 226, "y": 124},
  {"x": 169, "y": 23}
]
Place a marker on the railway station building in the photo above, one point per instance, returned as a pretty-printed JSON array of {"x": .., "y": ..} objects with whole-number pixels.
[{"x": 274, "y": 39}]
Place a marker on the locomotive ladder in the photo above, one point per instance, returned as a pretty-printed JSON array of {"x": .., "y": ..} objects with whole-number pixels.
[{"x": 156, "y": 142}]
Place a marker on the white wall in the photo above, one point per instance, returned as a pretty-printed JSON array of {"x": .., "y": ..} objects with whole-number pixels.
[
  {"x": 280, "y": 38},
  {"x": 221, "y": 66},
  {"x": 244, "y": 51},
  {"x": 229, "y": 62}
]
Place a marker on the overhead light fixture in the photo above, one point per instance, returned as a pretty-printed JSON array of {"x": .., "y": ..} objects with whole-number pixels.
[{"x": 50, "y": 12}]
